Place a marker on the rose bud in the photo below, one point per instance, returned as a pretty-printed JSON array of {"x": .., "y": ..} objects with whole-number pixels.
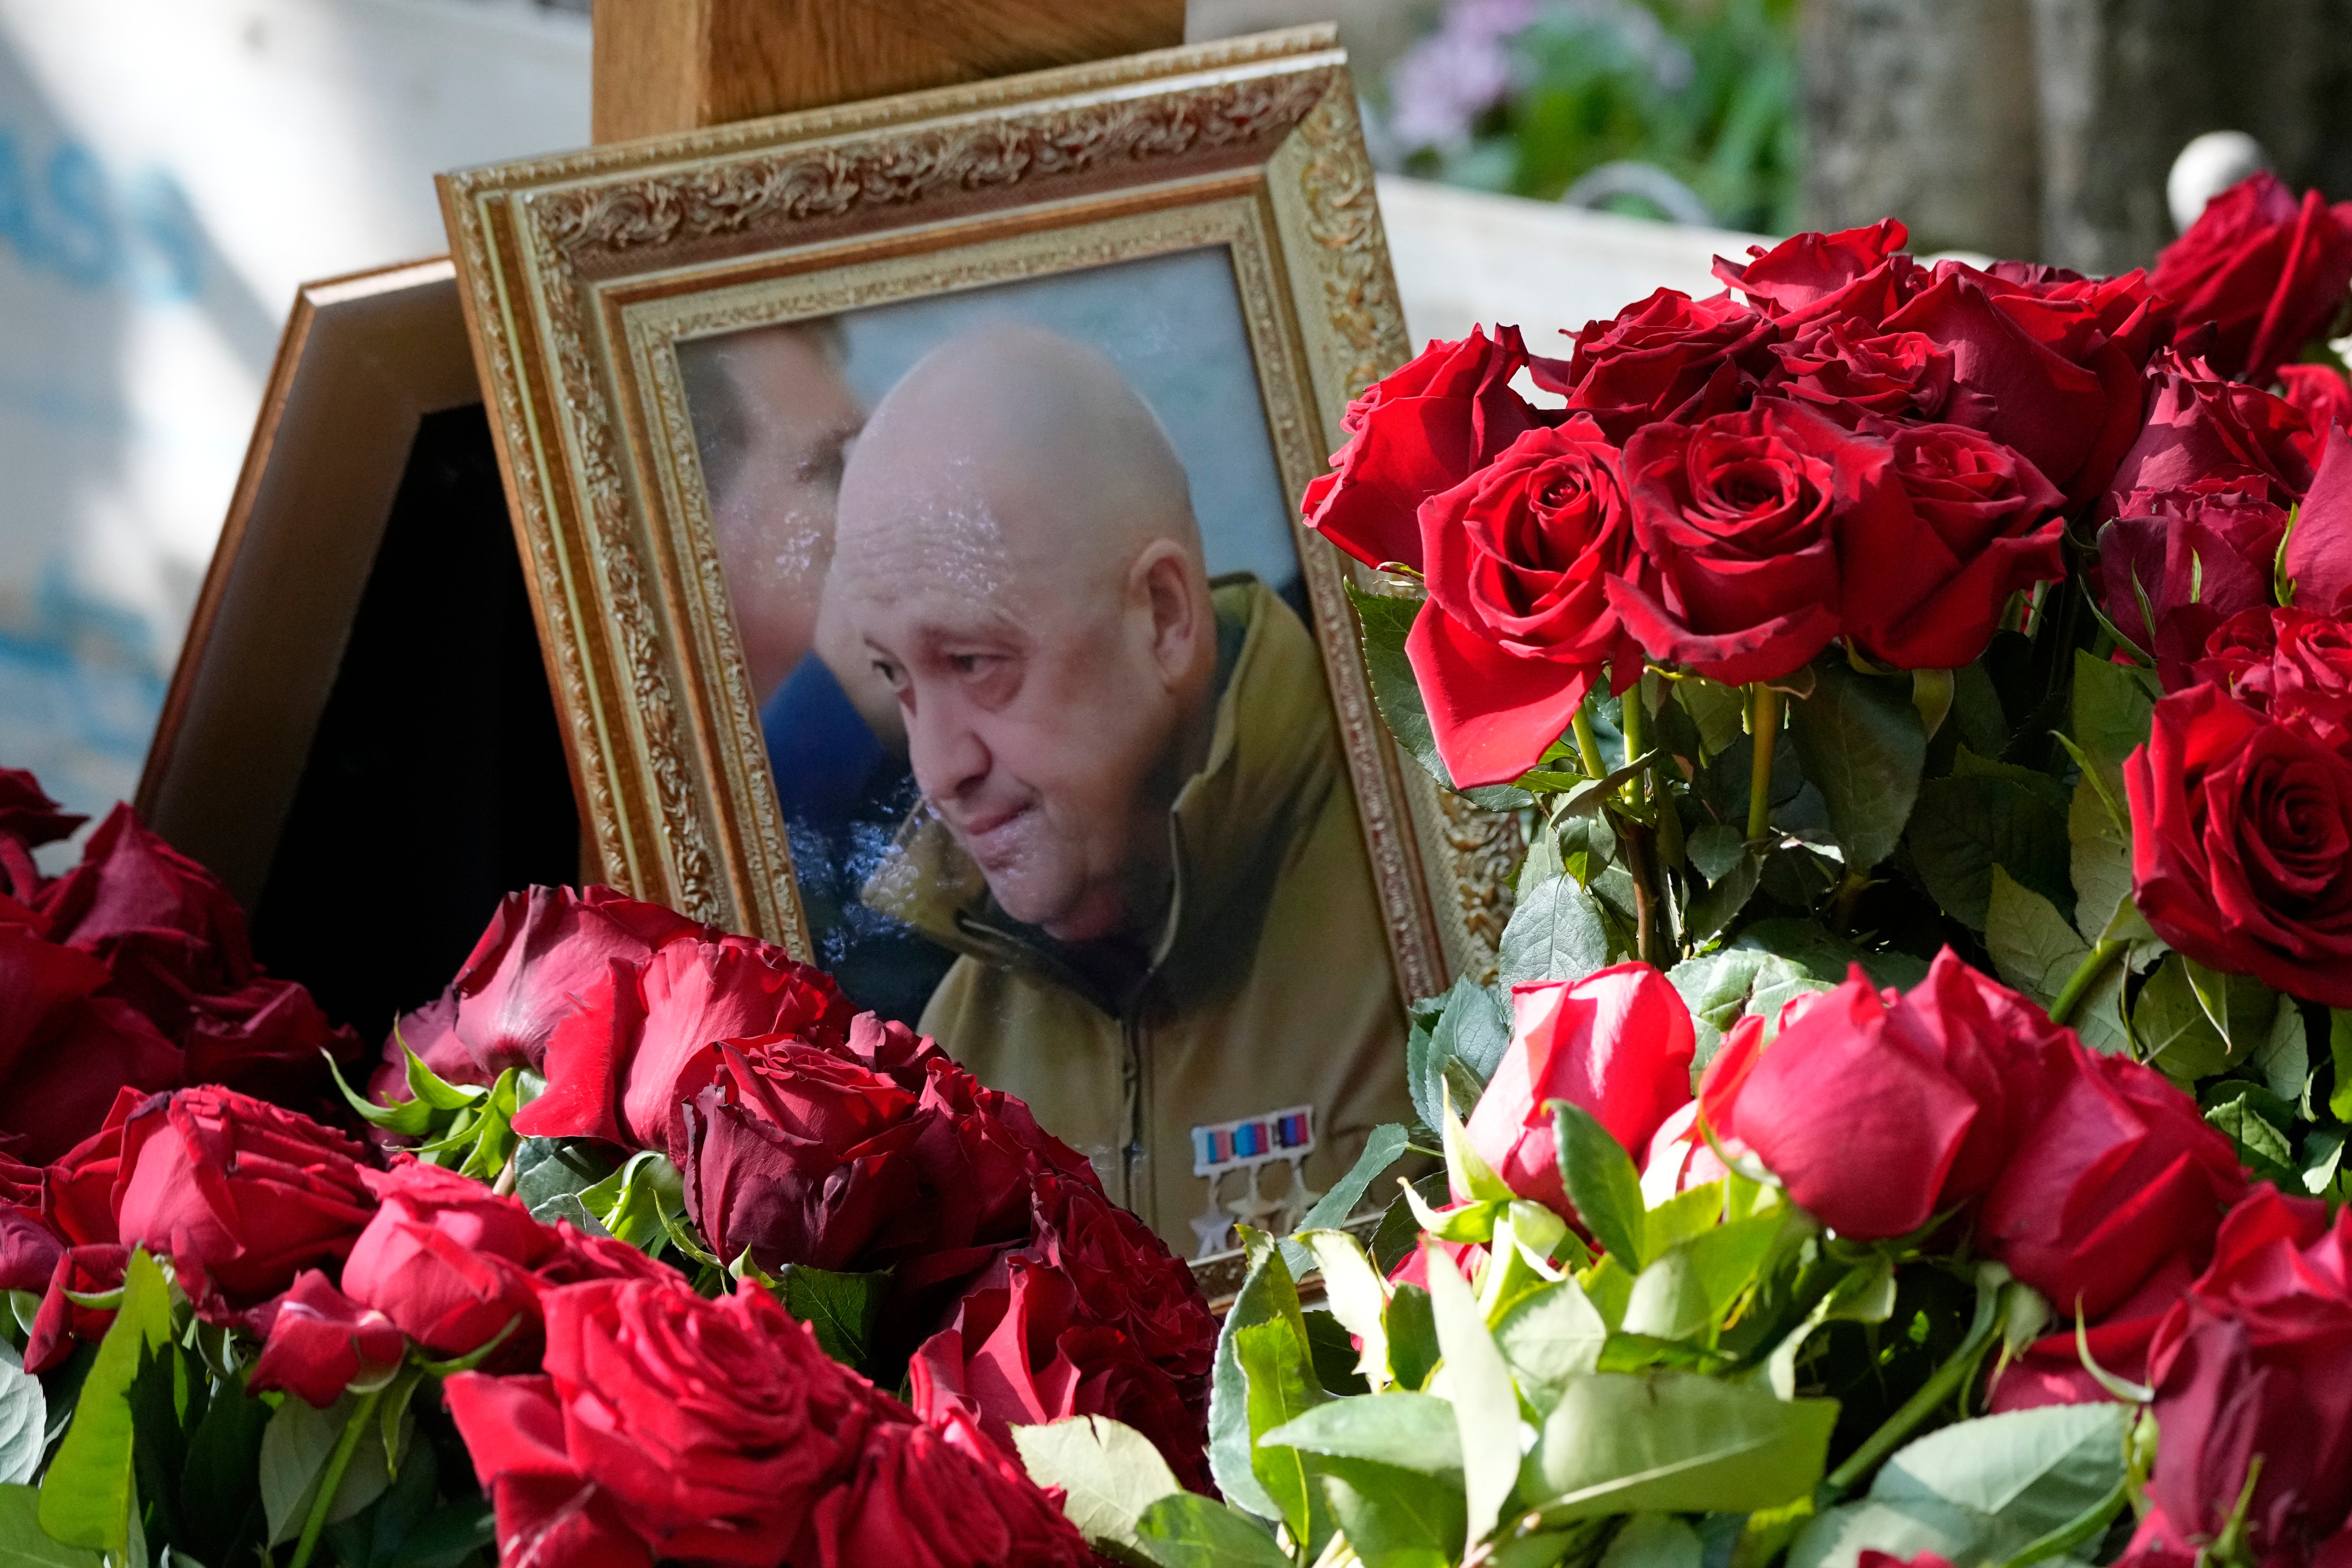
[
  {"x": 665, "y": 1425},
  {"x": 1517, "y": 622},
  {"x": 2194, "y": 558},
  {"x": 450, "y": 1262},
  {"x": 944, "y": 1497},
  {"x": 316, "y": 1341},
  {"x": 2268, "y": 271},
  {"x": 2199, "y": 427},
  {"x": 1666, "y": 357},
  {"x": 1737, "y": 522},
  {"x": 1422, "y": 430},
  {"x": 613, "y": 1066},
  {"x": 1617, "y": 1043},
  {"x": 1926, "y": 582},
  {"x": 2241, "y": 843},
  {"x": 2249, "y": 1367},
  {"x": 241, "y": 1195},
  {"x": 1878, "y": 1110}
]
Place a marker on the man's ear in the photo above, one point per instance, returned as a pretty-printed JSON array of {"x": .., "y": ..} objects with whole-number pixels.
[{"x": 1166, "y": 584}]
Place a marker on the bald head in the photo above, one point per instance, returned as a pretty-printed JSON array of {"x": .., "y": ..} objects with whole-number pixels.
[{"x": 1016, "y": 553}]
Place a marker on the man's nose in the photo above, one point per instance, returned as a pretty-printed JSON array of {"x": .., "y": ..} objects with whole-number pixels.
[{"x": 947, "y": 754}]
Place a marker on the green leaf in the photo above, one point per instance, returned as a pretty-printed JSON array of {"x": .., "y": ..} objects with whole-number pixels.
[
  {"x": 1268, "y": 1294},
  {"x": 1674, "y": 1442},
  {"x": 1826, "y": 958},
  {"x": 1486, "y": 1405},
  {"x": 1861, "y": 743},
  {"x": 1978, "y": 1490},
  {"x": 1110, "y": 1474},
  {"x": 1383, "y": 1148},
  {"x": 2339, "y": 1048},
  {"x": 1965, "y": 824},
  {"x": 842, "y": 1309},
  {"x": 1411, "y": 1431},
  {"x": 1602, "y": 1181},
  {"x": 1550, "y": 1337},
  {"x": 1720, "y": 988},
  {"x": 1386, "y": 622},
  {"x": 24, "y": 1420},
  {"x": 1720, "y": 904},
  {"x": 2100, "y": 849},
  {"x": 2284, "y": 1058},
  {"x": 550, "y": 1170},
  {"x": 1715, "y": 848},
  {"x": 2113, "y": 706},
  {"x": 1719, "y": 713},
  {"x": 634, "y": 1204},
  {"x": 86, "y": 1496},
  {"x": 1655, "y": 1540},
  {"x": 2261, "y": 1146},
  {"x": 1357, "y": 1296},
  {"x": 294, "y": 1453},
  {"x": 1187, "y": 1531},
  {"x": 1469, "y": 1025},
  {"x": 220, "y": 1497},
  {"x": 1688, "y": 1287},
  {"x": 1556, "y": 933},
  {"x": 1411, "y": 1324},
  {"x": 2032, "y": 947},
  {"x": 1282, "y": 1387},
  {"x": 22, "y": 1543},
  {"x": 2241, "y": 1009},
  {"x": 1469, "y": 1171},
  {"x": 2175, "y": 1036},
  {"x": 1395, "y": 1518}
]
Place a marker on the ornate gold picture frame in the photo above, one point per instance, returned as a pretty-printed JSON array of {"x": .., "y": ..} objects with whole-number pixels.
[{"x": 588, "y": 279}]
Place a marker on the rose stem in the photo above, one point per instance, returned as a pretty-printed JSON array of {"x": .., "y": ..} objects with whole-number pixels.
[
  {"x": 330, "y": 1480},
  {"x": 1587, "y": 746},
  {"x": 1630, "y": 722},
  {"x": 2087, "y": 973},
  {"x": 1760, "y": 779},
  {"x": 1941, "y": 1386},
  {"x": 1634, "y": 839}
]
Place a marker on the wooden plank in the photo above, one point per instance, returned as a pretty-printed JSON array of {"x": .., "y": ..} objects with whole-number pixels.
[{"x": 666, "y": 66}]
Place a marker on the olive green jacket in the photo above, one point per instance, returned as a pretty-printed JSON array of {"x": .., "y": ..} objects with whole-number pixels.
[{"x": 1268, "y": 985}]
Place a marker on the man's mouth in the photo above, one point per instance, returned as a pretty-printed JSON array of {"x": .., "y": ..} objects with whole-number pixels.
[{"x": 992, "y": 837}]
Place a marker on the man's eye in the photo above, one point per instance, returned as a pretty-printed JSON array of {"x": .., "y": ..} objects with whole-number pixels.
[
  {"x": 970, "y": 663},
  {"x": 889, "y": 671}
]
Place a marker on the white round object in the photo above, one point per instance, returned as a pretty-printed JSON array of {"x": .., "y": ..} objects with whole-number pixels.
[{"x": 2209, "y": 165}]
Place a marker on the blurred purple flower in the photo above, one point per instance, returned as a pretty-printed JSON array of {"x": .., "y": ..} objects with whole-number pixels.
[{"x": 1440, "y": 87}]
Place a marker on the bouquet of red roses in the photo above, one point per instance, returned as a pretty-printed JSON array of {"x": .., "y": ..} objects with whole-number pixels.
[
  {"x": 1907, "y": 1119},
  {"x": 615, "y": 1267}
]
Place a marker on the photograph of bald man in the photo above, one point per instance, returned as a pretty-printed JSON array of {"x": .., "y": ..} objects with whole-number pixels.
[
  {"x": 1135, "y": 826},
  {"x": 774, "y": 415}
]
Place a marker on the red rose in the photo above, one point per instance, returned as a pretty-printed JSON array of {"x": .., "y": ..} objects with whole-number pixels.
[
  {"x": 450, "y": 1263},
  {"x": 1925, "y": 582},
  {"x": 67, "y": 1051},
  {"x": 1126, "y": 1279},
  {"x": 2200, "y": 428},
  {"x": 1858, "y": 274},
  {"x": 1024, "y": 1352},
  {"x": 1881, "y": 1110},
  {"x": 612, "y": 1064},
  {"x": 2241, "y": 844},
  {"x": 2049, "y": 1370},
  {"x": 2250, "y": 1365},
  {"x": 541, "y": 951},
  {"x": 1617, "y": 1043},
  {"x": 2034, "y": 373},
  {"x": 2269, "y": 272},
  {"x": 1517, "y": 622},
  {"x": 1666, "y": 357},
  {"x": 1846, "y": 369},
  {"x": 2196, "y": 556},
  {"x": 240, "y": 1195},
  {"x": 665, "y": 1425},
  {"x": 1737, "y": 519},
  {"x": 1422, "y": 430},
  {"x": 2118, "y": 1178},
  {"x": 28, "y": 819},
  {"x": 2321, "y": 393},
  {"x": 2319, "y": 552},
  {"x": 317, "y": 1341},
  {"x": 62, "y": 1319},
  {"x": 926, "y": 1498},
  {"x": 2289, "y": 664}
]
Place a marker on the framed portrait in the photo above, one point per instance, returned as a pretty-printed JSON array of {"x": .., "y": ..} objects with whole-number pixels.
[
  {"x": 307, "y": 738},
  {"x": 909, "y": 494}
]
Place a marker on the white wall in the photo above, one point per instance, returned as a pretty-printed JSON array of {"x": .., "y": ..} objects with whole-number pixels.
[{"x": 170, "y": 169}]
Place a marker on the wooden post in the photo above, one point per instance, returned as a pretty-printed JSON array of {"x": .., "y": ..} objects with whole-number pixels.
[{"x": 664, "y": 66}]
